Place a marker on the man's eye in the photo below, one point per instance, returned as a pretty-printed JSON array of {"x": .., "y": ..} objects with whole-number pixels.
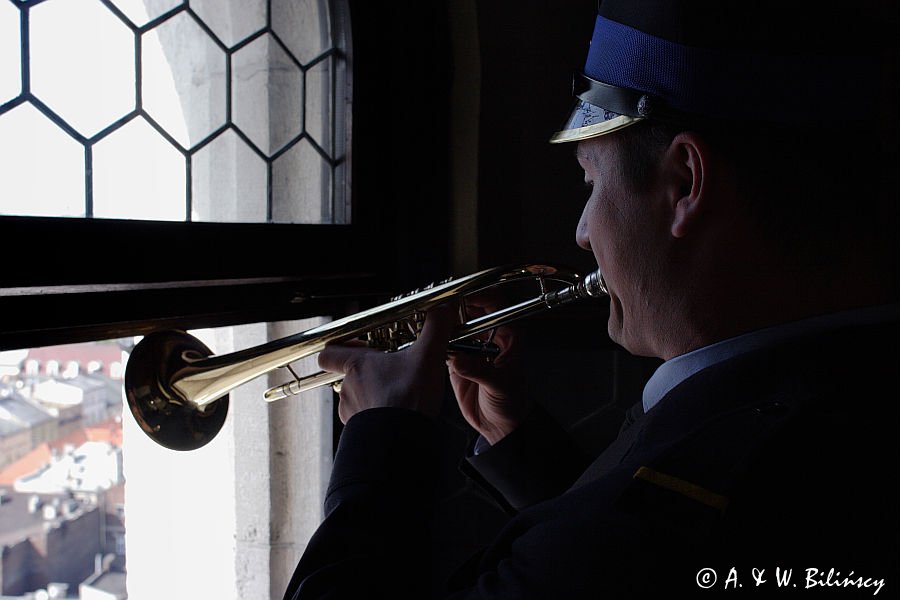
[{"x": 589, "y": 185}]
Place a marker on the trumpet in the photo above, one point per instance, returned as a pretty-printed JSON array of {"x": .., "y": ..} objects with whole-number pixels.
[{"x": 177, "y": 389}]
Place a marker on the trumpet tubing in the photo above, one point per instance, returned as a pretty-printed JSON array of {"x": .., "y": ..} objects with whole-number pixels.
[{"x": 177, "y": 390}]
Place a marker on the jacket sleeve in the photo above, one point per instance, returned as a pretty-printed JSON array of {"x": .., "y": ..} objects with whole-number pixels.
[
  {"x": 375, "y": 540},
  {"x": 537, "y": 461},
  {"x": 378, "y": 512}
]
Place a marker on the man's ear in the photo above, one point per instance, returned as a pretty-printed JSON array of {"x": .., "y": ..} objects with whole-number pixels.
[{"x": 687, "y": 169}]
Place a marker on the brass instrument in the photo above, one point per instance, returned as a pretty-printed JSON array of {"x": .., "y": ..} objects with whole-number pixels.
[{"x": 177, "y": 391}]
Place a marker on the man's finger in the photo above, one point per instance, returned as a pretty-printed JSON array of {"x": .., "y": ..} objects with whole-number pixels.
[
  {"x": 472, "y": 367},
  {"x": 440, "y": 323},
  {"x": 336, "y": 358}
]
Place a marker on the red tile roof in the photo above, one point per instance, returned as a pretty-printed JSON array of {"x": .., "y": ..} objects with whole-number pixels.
[
  {"x": 26, "y": 465},
  {"x": 107, "y": 431}
]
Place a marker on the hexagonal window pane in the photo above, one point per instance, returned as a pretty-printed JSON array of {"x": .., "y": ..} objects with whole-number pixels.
[
  {"x": 318, "y": 104},
  {"x": 82, "y": 63},
  {"x": 304, "y": 27},
  {"x": 267, "y": 90},
  {"x": 10, "y": 61},
  {"x": 138, "y": 175},
  {"x": 42, "y": 168},
  {"x": 232, "y": 20},
  {"x": 228, "y": 182},
  {"x": 141, "y": 12},
  {"x": 183, "y": 79},
  {"x": 301, "y": 186}
]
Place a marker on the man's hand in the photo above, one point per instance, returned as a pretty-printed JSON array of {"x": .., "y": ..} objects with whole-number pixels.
[
  {"x": 491, "y": 394},
  {"x": 413, "y": 378}
]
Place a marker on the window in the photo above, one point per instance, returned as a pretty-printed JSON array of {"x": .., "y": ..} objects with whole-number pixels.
[
  {"x": 174, "y": 164},
  {"x": 199, "y": 113}
]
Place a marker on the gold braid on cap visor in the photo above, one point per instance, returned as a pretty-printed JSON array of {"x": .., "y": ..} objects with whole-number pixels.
[
  {"x": 595, "y": 130},
  {"x": 589, "y": 121}
]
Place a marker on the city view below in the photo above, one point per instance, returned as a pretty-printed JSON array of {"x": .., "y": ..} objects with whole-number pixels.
[{"x": 62, "y": 519}]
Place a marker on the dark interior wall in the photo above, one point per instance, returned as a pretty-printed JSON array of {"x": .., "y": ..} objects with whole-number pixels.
[
  {"x": 530, "y": 192},
  {"x": 400, "y": 150}
]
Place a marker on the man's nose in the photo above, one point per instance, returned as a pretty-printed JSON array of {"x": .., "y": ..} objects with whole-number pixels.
[{"x": 581, "y": 232}]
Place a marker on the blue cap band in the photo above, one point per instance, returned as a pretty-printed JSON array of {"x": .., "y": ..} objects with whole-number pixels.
[{"x": 731, "y": 85}]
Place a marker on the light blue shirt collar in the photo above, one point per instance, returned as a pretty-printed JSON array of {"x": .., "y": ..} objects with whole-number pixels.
[{"x": 675, "y": 370}]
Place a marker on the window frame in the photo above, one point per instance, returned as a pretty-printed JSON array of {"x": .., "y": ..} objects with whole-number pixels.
[{"x": 104, "y": 278}]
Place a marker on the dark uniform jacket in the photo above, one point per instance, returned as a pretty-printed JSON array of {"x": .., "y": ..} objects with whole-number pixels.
[{"x": 772, "y": 472}]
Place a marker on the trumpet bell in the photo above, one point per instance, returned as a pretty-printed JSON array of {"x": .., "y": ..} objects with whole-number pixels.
[{"x": 169, "y": 419}]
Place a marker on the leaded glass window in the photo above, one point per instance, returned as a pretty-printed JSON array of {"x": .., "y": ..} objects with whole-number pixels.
[{"x": 217, "y": 111}]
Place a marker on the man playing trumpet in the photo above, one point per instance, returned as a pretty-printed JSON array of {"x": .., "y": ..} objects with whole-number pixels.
[{"x": 742, "y": 215}]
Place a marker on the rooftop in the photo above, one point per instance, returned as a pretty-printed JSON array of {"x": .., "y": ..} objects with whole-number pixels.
[
  {"x": 29, "y": 463},
  {"x": 91, "y": 467},
  {"x": 108, "y": 431},
  {"x": 15, "y": 407},
  {"x": 18, "y": 523},
  {"x": 10, "y": 427}
]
